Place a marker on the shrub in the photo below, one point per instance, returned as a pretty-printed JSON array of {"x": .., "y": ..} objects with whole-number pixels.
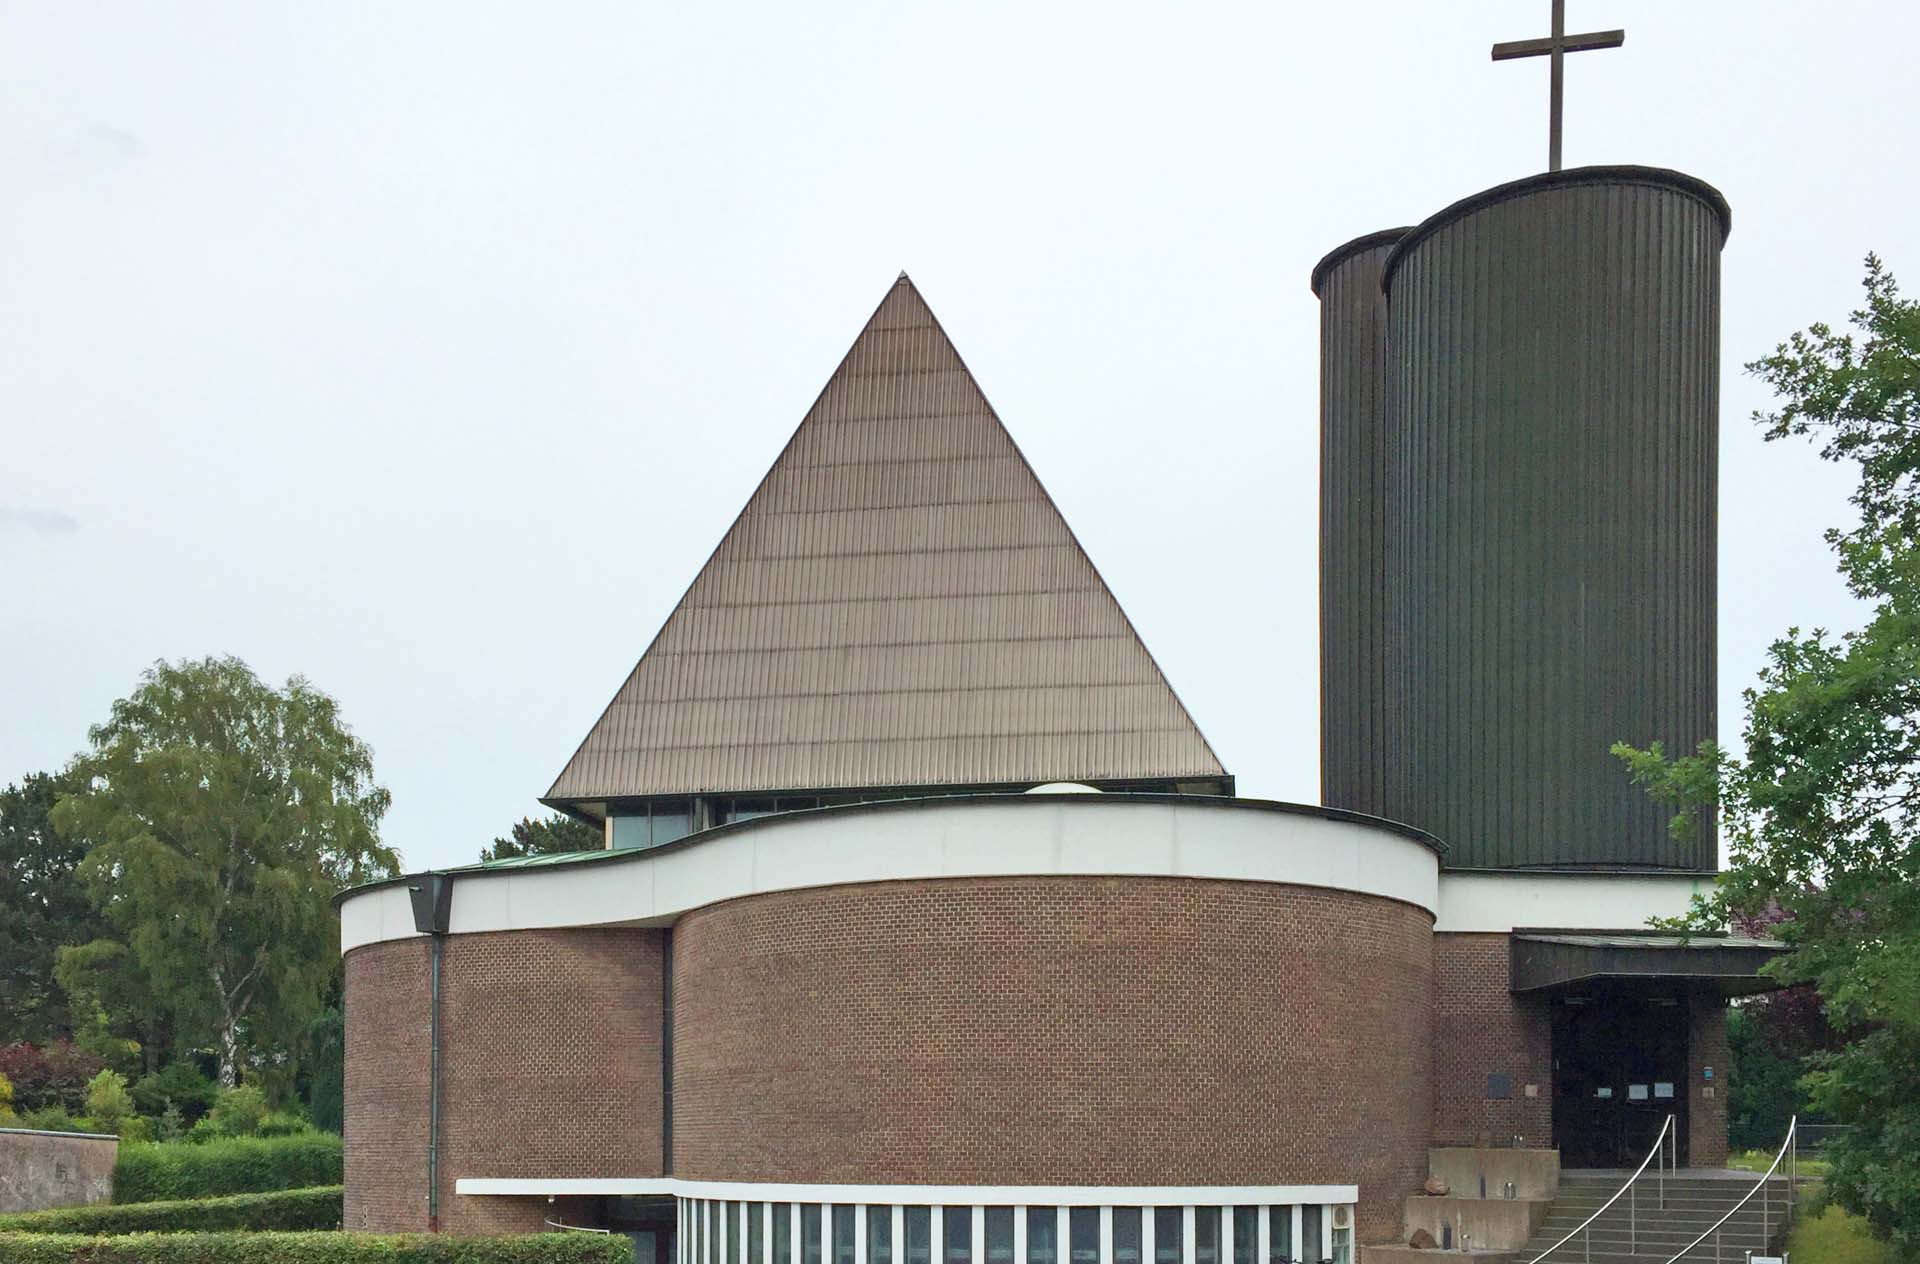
[
  {"x": 55, "y": 1075},
  {"x": 108, "y": 1102},
  {"x": 134, "y": 1129},
  {"x": 6, "y": 1101},
  {"x": 178, "y": 1084},
  {"x": 282, "y": 1123},
  {"x": 314, "y": 1248},
  {"x": 52, "y": 1119},
  {"x": 282, "y": 1209},
  {"x": 237, "y": 1112},
  {"x": 231, "y": 1165}
]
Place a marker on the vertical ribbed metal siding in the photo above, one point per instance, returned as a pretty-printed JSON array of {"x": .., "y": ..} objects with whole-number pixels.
[
  {"x": 1353, "y": 692},
  {"x": 1551, "y": 502}
]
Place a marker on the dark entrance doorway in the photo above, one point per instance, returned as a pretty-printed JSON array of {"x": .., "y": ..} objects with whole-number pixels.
[
  {"x": 1619, "y": 1069},
  {"x": 646, "y": 1221}
]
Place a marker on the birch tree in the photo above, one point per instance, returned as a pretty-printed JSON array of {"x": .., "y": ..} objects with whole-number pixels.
[{"x": 224, "y": 813}]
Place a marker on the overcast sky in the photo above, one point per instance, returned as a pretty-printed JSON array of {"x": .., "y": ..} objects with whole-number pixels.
[{"x": 427, "y": 350}]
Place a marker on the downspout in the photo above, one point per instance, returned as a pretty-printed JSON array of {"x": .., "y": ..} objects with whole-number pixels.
[
  {"x": 666, "y": 1053},
  {"x": 432, "y": 896},
  {"x": 433, "y": 1088}
]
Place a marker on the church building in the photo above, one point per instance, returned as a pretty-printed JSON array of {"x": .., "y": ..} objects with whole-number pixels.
[{"x": 929, "y": 928}]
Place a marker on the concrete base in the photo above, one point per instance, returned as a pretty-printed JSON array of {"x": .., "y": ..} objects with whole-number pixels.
[
  {"x": 1492, "y": 1224},
  {"x": 1535, "y": 1173},
  {"x": 1396, "y": 1254}
]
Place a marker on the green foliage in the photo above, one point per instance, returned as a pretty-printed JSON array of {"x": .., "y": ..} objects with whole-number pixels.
[
  {"x": 237, "y": 1112},
  {"x": 1874, "y": 1084},
  {"x": 108, "y": 1103},
  {"x": 6, "y": 1101},
  {"x": 281, "y": 1123},
  {"x": 41, "y": 908},
  {"x": 1822, "y": 812},
  {"x": 113, "y": 1008},
  {"x": 317, "y": 1208},
  {"x": 1827, "y": 1235},
  {"x": 326, "y": 1067},
  {"x": 232, "y": 1165},
  {"x": 223, "y": 813},
  {"x": 52, "y": 1119},
  {"x": 544, "y": 837},
  {"x": 1763, "y": 1086},
  {"x": 178, "y": 1084},
  {"x": 315, "y": 1248}
]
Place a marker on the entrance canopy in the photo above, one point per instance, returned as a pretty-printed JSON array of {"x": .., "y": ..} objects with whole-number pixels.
[{"x": 1550, "y": 961}]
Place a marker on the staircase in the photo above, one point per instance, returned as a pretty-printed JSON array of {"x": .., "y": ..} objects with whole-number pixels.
[{"x": 1694, "y": 1201}]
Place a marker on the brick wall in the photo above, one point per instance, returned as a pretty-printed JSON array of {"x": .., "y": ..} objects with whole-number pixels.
[
  {"x": 1073, "y": 1031},
  {"x": 550, "y": 1067},
  {"x": 1707, "y": 1047},
  {"x": 1479, "y": 1028},
  {"x": 386, "y": 1066}
]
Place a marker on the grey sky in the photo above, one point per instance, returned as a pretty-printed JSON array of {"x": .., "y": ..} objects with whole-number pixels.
[{"x": 428, "y": 349}]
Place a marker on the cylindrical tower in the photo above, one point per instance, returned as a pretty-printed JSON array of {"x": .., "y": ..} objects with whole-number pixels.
[
  {"x": 1353, "y": 350},
  {"x": 1550, "y": 502}
]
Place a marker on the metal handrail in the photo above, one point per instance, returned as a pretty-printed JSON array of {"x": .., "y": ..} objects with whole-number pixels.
[
  {"x": 1667, "y": 1136},
  {"x": 1790, "y": 1153}
]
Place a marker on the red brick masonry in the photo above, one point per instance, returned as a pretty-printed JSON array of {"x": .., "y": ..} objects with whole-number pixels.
[
  {"x": 1480, "y": 1027},
  {"x": 1050, "y": 1030},
  {"x": 551, "y": 1067}
]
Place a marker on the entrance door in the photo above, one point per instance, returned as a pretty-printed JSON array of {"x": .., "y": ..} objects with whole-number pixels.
[{"x": 1619, "y": 1069}]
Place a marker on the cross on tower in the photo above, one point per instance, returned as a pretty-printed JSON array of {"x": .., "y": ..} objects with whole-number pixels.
[{"x": 1557, "y": 46}]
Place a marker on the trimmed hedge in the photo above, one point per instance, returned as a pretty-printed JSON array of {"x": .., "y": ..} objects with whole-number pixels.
[
  {"x": 314, "y": 1248},
  {"x": 238, "y": 1165},
  {"x": 282, "y": 1209}
]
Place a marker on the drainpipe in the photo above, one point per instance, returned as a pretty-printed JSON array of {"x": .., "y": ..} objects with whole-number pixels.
[
  {"x": 666, "y": 1053},
  {"x": 432, "y": 896}
]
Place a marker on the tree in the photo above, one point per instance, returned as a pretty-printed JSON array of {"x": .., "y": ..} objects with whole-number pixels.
[
  {"x": 1822, "y": 811},
  {"x": 42, "y": 907},
  {"x": 115, "y": 1014},
  {"x": 223, "y": 814},
  {"x": 544, "y": 837},
  {"x": 108, "y": 1103},
  {"x": 54, "y": 1075}
]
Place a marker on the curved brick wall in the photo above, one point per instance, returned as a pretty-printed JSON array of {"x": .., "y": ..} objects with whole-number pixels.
[
  {"x": 550, "y": 1067},
  {"x": 1074, "y": 1031}
]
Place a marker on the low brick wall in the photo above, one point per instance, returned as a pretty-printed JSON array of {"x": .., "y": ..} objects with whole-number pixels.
[{"x": 55, "y": 1169}]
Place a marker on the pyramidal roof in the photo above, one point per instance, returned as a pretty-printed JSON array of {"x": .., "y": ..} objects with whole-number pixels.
[{"x": 899, "y": 604}]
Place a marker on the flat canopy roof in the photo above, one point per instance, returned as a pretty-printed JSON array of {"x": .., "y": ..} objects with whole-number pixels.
[{"x": 1558, "y": 961}]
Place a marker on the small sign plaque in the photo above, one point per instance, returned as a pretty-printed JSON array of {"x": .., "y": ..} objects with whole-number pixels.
[
  {"x": 1662, "y": 1088},
  {"x": 1636, "y": 1092}
]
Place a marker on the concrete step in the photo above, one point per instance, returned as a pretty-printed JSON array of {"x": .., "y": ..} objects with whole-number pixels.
[
  {"x": 1673, "y": 1240},
  {"x": 1642, "y": 1201}
]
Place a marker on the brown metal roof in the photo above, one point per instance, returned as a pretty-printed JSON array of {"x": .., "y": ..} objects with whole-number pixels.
[{"x": 899, "y": 604}]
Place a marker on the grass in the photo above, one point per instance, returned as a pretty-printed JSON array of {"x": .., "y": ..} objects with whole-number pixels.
[
  {"x": 1758, "y": 1160},
  {"x": 1834, "y": 1237}
]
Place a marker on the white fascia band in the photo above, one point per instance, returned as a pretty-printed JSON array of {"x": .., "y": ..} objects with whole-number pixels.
[
  {"x": 917, "y": 1195},
  {"x": 1085, "y": 836}
]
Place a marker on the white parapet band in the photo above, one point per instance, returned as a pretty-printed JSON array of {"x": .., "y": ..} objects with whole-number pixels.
[{"x": 1046, "y": 835}]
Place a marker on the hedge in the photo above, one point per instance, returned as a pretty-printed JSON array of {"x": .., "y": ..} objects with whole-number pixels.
[
  {"x": 314, "y": 1248},
  {"x": 283, "y": 1209},
  {"x": 238, "y": 1165}
]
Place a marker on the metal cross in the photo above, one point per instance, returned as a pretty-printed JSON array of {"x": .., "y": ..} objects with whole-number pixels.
[{"x": 1557, "y": 46}]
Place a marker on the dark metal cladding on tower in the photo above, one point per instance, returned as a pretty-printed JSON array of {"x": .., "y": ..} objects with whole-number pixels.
[
  {"x": 1353, "y": 683},
  {"x": 1546, "y": 510}
]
